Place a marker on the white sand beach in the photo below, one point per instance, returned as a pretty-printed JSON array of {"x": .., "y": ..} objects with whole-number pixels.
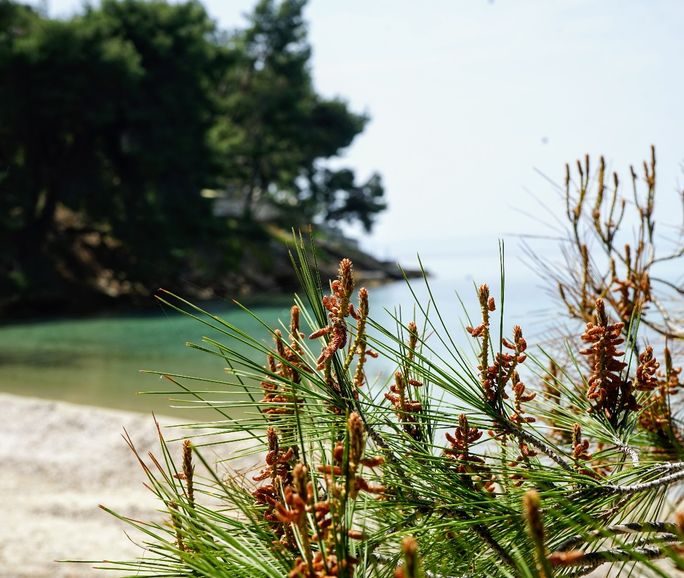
[{"x": 59, "y": 462}]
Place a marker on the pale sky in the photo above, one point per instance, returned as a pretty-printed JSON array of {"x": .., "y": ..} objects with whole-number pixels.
[{"x": 469, "y": 97}]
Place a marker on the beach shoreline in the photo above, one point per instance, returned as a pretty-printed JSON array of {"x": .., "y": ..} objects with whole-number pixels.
[{"x": 60, "y": 462}]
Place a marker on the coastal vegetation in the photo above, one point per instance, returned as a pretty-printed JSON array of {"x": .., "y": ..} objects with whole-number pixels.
[
  {"x": 335, "y": 431},
  {"x": 142, "y": 146},
  {"x": 546, "y": 457}
]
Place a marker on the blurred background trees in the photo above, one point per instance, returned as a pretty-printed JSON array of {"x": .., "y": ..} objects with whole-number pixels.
[{"x": 140, "y": 145}]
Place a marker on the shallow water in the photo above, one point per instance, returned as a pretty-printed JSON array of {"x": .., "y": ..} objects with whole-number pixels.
[{"x": 97, "y": 361}]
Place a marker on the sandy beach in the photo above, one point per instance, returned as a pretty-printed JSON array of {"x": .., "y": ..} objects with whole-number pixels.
[{"x": 59, "y": 462}]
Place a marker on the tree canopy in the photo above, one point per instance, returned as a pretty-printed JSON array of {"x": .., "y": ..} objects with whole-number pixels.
[
  {"x": 112, "y": 122},
  {"x": 283, "y": 130}
]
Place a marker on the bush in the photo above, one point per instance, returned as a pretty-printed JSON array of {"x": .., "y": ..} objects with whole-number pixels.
[{"x": 525, "y": 462}]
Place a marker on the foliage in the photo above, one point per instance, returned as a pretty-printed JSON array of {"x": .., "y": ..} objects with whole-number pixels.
[
  {"x": 89, "y": 107},
  {"x": 610, "y": 251},
  {"x": 343, "y": 199},
  {"x": 112, "y": 122},
  {"x": 281, "y": 131},
  {"x": 506, "y": 465}
]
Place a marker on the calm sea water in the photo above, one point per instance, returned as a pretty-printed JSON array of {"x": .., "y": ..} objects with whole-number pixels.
[{"x": 97, "y": 361}]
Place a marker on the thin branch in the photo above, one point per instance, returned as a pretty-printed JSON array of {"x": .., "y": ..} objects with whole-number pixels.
[
  {"x": 629, "y": 528},
  {"x": 671, "y": 257},
  {"x": 480, "y": 529},
  {"x": 675, "y": 330},
  {"x": 592, "y": 560},
  {"x": 669, "y": 284},
  {"x": 630, "y": 452},
  {"x": 540, "y": 445},
  {"x": 484, "y": 533},
  {"x": 677, "y": 467}
]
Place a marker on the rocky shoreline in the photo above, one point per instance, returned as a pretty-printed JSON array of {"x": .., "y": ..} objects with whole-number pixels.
[{"x": 265, "y": 270}]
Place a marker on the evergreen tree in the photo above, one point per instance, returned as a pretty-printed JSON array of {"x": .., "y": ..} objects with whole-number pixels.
[
  {"x": 112, "y": 122},
  {"x": 281, "y": 131}
]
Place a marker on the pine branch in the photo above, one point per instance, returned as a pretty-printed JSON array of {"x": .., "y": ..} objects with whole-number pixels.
[
  {"x": 659, "y": 483},
  {"x": 537, "y": 443},
  {"x": 589, "y": 561},
  {"x": 619, "y": 529},
  {"x": 629, "y": 452}
]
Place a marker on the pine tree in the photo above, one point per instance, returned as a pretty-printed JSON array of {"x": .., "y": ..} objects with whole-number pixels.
[{"x": 514, "y": 463}]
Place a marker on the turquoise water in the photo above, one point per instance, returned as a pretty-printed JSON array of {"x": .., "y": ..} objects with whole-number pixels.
[{"x": 97, "y": 361}]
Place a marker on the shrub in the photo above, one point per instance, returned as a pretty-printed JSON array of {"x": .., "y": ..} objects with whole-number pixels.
[{"x": 528, "y": 461}]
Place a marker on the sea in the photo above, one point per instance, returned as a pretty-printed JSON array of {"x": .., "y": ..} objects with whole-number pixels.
[{"x": 104, "y": 360}]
